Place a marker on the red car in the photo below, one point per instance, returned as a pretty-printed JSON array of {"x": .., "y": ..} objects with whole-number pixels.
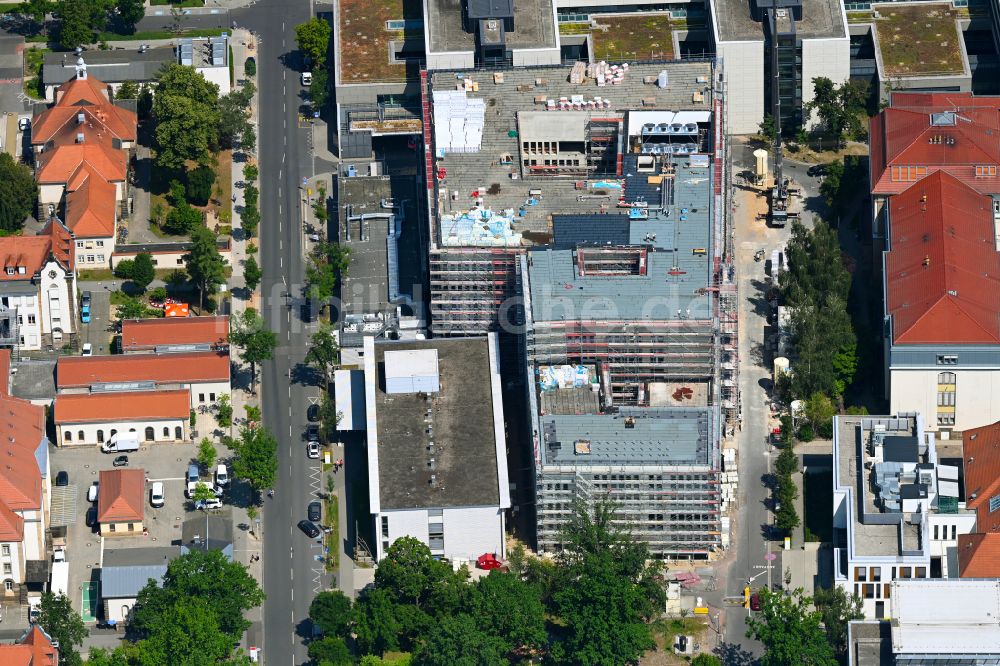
[{"x": 755, "y": 601}]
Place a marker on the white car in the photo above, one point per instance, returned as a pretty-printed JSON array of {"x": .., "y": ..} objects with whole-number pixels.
[
  {"x": 312, "y": 450},
  {"x": 88, "y": 349},
  {"x": 307, "y": 78},
  {"x": 156, "y": 494},
  {"x": 214, "y": 503},
  {"x": 221, "y": 475},
  {"x": 23, "y": 124},
  {"x": 92, "y": 492}
]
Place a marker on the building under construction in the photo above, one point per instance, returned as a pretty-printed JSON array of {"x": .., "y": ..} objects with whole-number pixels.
[
  {"x": 624, "y": 351},
  {"x": 506, "y": 149}
]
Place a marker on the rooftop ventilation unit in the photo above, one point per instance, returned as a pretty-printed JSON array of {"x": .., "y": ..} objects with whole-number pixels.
[
  {"x": 79, "y": 137},
  {"x": 80, "y": 118}
]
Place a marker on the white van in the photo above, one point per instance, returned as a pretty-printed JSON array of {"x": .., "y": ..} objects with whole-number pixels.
[
  {"x": 121, "y": 443},
  {"x": 221, "y": 475},
  {"x": 156, "y": 494}
]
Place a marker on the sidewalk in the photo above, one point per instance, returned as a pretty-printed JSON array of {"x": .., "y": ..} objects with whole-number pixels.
[{"x": 246, "y": 544}]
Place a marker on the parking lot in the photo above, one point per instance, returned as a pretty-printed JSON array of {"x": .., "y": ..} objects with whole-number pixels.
[
  {"x": 96, "y": 332},
  {"x": 161, "y": 462}
]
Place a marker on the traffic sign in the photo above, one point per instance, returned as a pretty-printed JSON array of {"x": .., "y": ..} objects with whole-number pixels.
[{"x": 771, "y": 557}]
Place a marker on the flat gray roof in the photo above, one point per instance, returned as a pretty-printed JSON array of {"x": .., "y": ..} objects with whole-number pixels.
[
  {"x": 534, "y": 26},
  {"x": 125, "y": 571},
  {"x": 465, "y": 452},
  {"x": 366, "y": 286},
  {"x": 678, "y": 436},
  {"x": 946, "y": 616},
  {"x": 820, "y": 19},
  {"x": 869, "y": 643},
  {"x": 467, "y": 172},
  {"x": 108, "y": 66}
]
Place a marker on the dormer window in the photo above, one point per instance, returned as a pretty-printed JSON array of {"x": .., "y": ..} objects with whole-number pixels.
[
  {"x": 21, "y": 270},
  {"x": 985, "y": 171},
  {"x": 10, "y": 270},
  {"x": 908, "y": 174}
]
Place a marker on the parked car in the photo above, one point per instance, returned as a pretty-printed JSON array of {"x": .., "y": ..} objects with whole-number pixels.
[
  {"x": 213, "y": 503},
  {"x": 92, "y": 492},
  {"x": 23, "y": 124},
  {"x": 755, "y": 601},
  {"x": 88, "y": 349},
  {"x": 817, "y": 170},
  {"x": 62, "y": 478},
  {"x": 85, "y": 313},
  {"x": 156, "y": 498},
  {"x": 309, "y": 528},
  {"x": 312, "y": 450},
  {"x": 312, "y": 432},
  {"x": 120, "y": 461},
  {"x": 221, "y": 476},
  {"x": 307, "y": 78},
  {"x": 314, "y": 512},
  {"x": 312, "y": 412},
  {"x": 92, "y": 518},
  {"x": 85, "y": 298}
]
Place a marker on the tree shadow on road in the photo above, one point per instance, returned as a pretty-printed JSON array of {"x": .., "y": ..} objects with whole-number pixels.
[
  {"x": 732, "y": 654},
  {"x": 306, "y": 375}
]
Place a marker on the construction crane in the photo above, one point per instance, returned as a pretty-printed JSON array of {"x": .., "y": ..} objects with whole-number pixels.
[{"x": 773, "y": 10}]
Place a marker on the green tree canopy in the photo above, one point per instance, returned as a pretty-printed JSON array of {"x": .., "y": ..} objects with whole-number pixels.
[
  {"x": 331, "y": 611},
  {"x": 409, "y": 572},
  {"x": 186, "y": 110},
  {"x": 234, "y": 114},
  {"x": 705, "y": 659},
  {"x": 324, "y": 352},
  {"x": 204, "y": 264},
  {"x": 143, "y": 270},
  {"x": 460, "y": 641},
  {"x": 841, "y": 109},
  {"x": 207, "y": 454},
  {"x": 17, "y": 194},
  {"x": 188, "y": 626},
  {"x": 76, "y": 26},
  {"x": 836, "y": 609},
  {"x": 330, "y": 651},
  {"x": 513, "y": 612},
  {"x": 63, "y": 624},
  {"x": 127, "y": 14},
  {"x": 256, "y": 342},
  {"x": 313, "y": 39},
  {"x": 256, "y": 460},
  {"x": 376, "y": 626},
  {"x": 227, "y": 587},
  {"x": 182, "y": 220},
  {"x": 199, "y": 185},
  {"x": 127, "y": 90},
  {"x": 328, "y": 262},
  {"x": 251, "y": 273},
  {"x": 790, "y": 632}
]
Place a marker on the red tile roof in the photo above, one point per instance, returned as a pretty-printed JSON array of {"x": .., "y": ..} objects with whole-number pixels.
[
  {"x": 902, "y": 135},
  {"x": 32, "y": 649},
  {"x": 943, "y": 270},
  {"x": 979, "y": 555},
  {"x": 121, "y": 499},
  {"x": 22, "y": 431},
  {"x": 147, "y": 334},
  {"x": 59, "y": 165},
  {"x": 33, "y": 252},
  {"x": 195, "y": 367},
  {"x": 130, "y": 406},
  {"x": 90, "y": 205},
  {"x": 87, "y": 90},
  {"x": 11, "y": 525},
  {"x": 60, "y": 124}
]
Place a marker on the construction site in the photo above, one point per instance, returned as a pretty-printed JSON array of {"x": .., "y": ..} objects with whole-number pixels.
[{"x": 581, "y": 211}]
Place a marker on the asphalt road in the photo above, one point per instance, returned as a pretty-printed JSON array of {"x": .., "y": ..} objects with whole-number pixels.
[{"x": 291, "y": 568}]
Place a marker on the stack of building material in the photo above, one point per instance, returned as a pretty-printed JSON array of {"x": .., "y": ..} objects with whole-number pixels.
[
  {"x": 458, "y": 121},
  {"x": 729, "y": 478},
  {"x": 576, "y": 74}
]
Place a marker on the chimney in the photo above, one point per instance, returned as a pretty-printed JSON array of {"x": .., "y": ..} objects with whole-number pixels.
[
  {"x": 79, "y": 137},
  {"x": 434, "y": 481},
  {"x": 80, "y": 118},
  {"x": 927, "y": 260}
]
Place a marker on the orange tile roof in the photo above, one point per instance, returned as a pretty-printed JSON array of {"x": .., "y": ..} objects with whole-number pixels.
[
  {"x": 981, "y": 448},
  {"x": 77, "y": 90},
  {"x": 33, "y": 252},
  {"x": 979, "y": 555},
  {"x": 90, "y": 205},
  {"x": 943, "y": 271},
  {"x": 194, "y": 367},
  {"x": 58, "y": 165},
  {"x": 11, "y": 524},
  {"x": 22, "y": 431},
  {"x": 122, "y": 494},
  {"x": 902, "y": 135},
  {"x": 104, "y": 123},
  {"x": 32, "y": 649},
  {"x": 125, "y": 406},
  {"x": 146, "y": 334}
]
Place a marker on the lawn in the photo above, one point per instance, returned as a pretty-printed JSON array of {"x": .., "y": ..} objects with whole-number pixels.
[
  {"x": 364, "y": 49},
  {"x": 33, "y": 59},
  {"x": 817, "y": 503},
  {"x": 332, "y": 520},
  {"x": 222, "y": 191},
  {"x": 639, "y": 37},
  {"x": 918, "y": 39}
]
